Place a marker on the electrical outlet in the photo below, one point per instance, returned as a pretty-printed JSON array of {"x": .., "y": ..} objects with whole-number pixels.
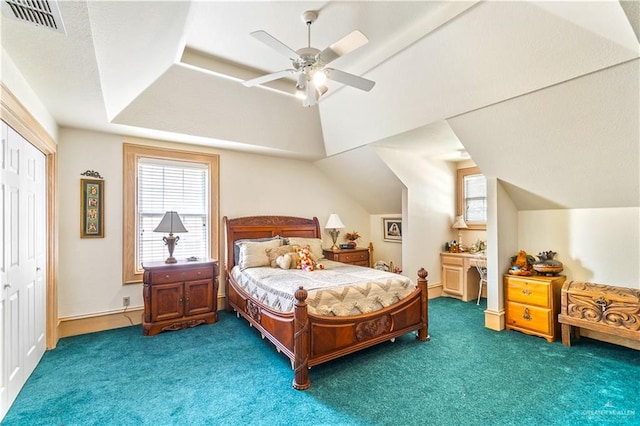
[{"x": 126, "y": 301}]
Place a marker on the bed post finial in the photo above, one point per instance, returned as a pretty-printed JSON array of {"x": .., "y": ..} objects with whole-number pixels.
[
  {"x": 423, "y": 332},
  {"x": 301, "y": 341}
]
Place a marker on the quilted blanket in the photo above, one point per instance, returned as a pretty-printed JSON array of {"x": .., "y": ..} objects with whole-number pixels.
[{"x": 337, "y": 290}]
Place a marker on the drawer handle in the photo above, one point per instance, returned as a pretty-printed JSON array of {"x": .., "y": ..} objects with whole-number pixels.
[
  {"x": 602, "y": 303},
  {"x": 199, "y": 272},
  {"x": 526, "y": 315},
  {"x": 526, "y": 292},
  {"x": 167, "y": 276}
]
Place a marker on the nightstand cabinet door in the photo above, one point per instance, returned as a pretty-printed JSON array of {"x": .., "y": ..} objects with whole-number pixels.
[
  {"x": 167, "y": 301},
  {"x": 180, "y": 295},
  {"x": 198, "y": 297}
]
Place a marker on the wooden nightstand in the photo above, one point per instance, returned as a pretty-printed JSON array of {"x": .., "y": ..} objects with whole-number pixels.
[
  {"x": 180, "y": 295},
  {"x": 356, "y": 256},
  {"x": 532, "y": 304}
]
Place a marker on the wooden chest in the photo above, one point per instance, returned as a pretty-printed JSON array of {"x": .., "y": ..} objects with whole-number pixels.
[{"x": 599, "y": 311}]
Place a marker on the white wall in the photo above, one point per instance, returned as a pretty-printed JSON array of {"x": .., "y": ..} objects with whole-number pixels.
[
  {"x": 90, "y": 270},
  {"x": 385, "y": 250},
  {"x": 596, "y": 245},
  {"x": 428, "y": 208},
  {"x": 15, "y": 82}
]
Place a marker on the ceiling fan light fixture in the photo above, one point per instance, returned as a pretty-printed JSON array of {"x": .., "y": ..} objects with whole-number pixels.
[{"x": 319, "y": 78}]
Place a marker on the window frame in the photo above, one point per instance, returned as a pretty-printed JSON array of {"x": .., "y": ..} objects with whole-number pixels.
[
  {"x": 460, "y": 196},
  {"x": 131, "y": 154}
]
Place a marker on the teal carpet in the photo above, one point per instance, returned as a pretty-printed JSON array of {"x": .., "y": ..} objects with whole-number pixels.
[{"x": 226, "y": 374}]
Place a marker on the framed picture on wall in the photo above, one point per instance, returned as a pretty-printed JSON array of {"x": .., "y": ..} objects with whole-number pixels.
[
  {"x": 392, "y": 229},
  {"x": 91, "y": 208}
]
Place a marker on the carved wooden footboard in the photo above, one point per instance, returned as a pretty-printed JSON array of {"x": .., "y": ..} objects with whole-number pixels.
[{"x": 308, "y": 339}]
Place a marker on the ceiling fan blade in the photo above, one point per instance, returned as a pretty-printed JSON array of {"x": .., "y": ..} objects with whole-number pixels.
[
  {"x": 343, "y": 46},
  {"x": 276, "y": 44},
  {"x": 268, "y": 77},
  {"x": 349, "y": 79}
]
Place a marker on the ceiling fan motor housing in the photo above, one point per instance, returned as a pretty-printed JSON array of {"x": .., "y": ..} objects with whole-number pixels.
[{"x": 309, "y": 16}]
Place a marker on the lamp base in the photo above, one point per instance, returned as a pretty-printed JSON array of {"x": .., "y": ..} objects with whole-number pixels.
[
  {"x": 171, "y": 241},
  {"x": 334, "y": 236}
]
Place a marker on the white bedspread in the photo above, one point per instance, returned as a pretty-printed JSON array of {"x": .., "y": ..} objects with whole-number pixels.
[{"x": 338, "y": 290}]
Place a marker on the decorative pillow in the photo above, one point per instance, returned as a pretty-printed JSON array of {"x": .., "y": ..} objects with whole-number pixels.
[
  {"x": 236, "y": 246},
  {"x": 274, "y": 253},
  {"x": 284, "y": 261},
  {"x": 315, "y": 245},
  {"x": 254, "y": 254}
]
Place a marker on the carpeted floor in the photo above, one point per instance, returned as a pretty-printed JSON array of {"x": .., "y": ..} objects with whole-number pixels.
[{"x": 226, "y": 374}]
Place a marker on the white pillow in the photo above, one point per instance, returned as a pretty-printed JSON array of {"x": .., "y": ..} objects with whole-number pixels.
[
  {"x": 315, "y": 245},
  {"x": 254, "y": 254}
]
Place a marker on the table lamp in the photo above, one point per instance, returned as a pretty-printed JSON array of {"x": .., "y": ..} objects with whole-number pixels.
[
  {"x": 459, "y": 224},
  {"x": 170, "y": 223},
  {"x": 334, "y": 223}
]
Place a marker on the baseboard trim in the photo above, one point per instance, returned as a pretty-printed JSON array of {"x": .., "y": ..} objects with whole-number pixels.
[
  {"x": 434, "y": 291},
  {"x": 494, "y": 320},
  {"x": 616, "y": 340},
  {"x": 73, "y": 326},
  {"x": 83, "y": 324}
]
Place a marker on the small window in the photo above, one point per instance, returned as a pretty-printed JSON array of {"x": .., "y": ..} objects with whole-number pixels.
[
  {"x": 472, "y": 197},
  {"x": 177, "y": 186}
]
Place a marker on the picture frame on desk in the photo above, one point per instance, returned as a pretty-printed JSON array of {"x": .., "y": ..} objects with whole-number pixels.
[{"x": 392, "y": 229}]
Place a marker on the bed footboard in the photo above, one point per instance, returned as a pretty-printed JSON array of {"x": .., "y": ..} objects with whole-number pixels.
[{"x": 319, "y": 339}]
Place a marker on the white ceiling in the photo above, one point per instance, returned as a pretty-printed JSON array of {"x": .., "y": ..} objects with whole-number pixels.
[{"x": 172, "y": 71}]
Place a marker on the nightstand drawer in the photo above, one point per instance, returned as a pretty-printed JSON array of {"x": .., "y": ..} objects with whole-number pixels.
[
  {"x": 162, "y": 277},
  {"x": 528, "y": 292},
  {"x": 356, "y": 256},
  {"x": 532, "y": 318},
  {"x": 352, "y": 257}
]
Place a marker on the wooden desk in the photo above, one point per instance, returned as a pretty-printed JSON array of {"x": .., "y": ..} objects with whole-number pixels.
[{"x": 460, "y": 278}]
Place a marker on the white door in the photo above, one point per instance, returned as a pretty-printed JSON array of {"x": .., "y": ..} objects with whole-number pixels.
[{"x": 24, "y": 260}]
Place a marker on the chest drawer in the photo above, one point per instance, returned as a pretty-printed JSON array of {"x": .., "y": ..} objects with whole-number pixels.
[
  {"x": 161, "y": 277},
  {"x": 528, "y": 292},
  {"x": 529, "y": 317}
]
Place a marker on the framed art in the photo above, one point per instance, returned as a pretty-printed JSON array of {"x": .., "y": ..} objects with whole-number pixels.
[
  {"x": 392, "y": 229},
  {"x": 91, "y": 208}
]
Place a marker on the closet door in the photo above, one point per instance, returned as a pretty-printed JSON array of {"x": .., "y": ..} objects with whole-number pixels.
[{"x": 23, "y": 263}]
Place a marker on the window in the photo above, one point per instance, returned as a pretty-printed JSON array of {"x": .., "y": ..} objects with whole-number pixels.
[
  {"x": 472, "y": 197},
  {"x": 158, "y": 180}
]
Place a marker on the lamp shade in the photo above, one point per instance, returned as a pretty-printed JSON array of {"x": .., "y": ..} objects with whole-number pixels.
[
  {"x": 459, "y": 223},
  {"x": 334, "y": 222},
  {"x": 170, "y": 223}
]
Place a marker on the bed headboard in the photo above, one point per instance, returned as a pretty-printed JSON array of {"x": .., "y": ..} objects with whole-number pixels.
[{"x": 249, "y": 227}]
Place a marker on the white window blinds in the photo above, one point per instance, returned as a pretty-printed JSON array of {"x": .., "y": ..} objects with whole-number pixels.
[
  {"x": 475, "y": 199},
  {"x": 178, "y": 186}
]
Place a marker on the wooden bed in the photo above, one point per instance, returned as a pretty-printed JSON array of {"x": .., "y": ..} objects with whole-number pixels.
[{"x": 308, "y": 339}]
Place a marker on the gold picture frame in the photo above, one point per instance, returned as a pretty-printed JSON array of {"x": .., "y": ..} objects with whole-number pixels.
[
  {"x": 392, "y": 229},
  {"x": 91, "y": 208}
]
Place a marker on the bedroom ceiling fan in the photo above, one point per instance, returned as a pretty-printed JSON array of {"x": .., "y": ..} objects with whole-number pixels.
[{"x": 309, "y": 63}]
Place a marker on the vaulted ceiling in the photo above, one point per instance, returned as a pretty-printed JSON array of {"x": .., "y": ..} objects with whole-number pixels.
[{"x": 544, "y": 95}]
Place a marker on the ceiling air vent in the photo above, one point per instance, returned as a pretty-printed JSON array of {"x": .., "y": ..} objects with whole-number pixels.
[{"x": 41, "y": 13}]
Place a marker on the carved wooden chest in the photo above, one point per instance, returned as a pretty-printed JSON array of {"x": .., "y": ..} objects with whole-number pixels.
[{"x": 601, "y": 311}]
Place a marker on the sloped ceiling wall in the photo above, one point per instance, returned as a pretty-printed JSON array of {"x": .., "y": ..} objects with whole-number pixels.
[
  {"x": 575, "y": 144},
  {"x": 543, "y": 96}
]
